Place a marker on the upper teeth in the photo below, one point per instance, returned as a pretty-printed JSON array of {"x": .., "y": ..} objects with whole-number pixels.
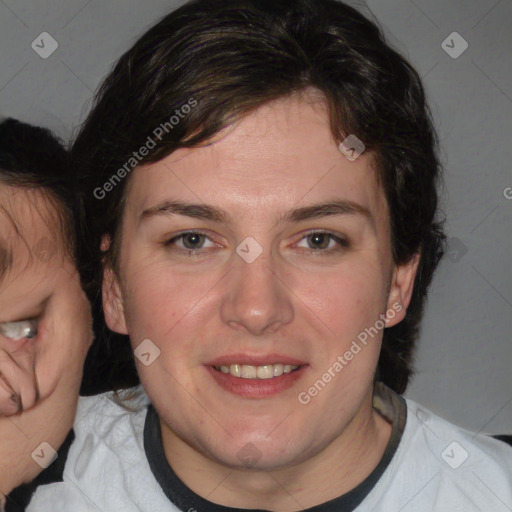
[{"x": 267, "y": 371}]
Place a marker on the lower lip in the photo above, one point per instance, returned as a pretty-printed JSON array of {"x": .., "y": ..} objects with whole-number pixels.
[{"x": 256, "y": 388}]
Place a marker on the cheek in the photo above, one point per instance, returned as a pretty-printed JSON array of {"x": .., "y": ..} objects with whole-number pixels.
[
  {"x": 160, "y": 303},
  {"x": 348, "y": 299}
]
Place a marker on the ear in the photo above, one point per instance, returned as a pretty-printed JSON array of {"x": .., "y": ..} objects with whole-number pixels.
[
  {"x": 113, "y": 306},
  {"x": 400, "y": 292}
]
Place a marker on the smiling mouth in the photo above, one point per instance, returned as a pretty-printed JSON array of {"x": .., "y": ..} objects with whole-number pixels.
[{"x": 264, "y": 372}]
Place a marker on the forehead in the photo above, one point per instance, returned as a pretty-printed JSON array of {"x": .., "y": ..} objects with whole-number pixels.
[
  {"x": 30, "y": 241},
  {"x": 280, "y": 155}
]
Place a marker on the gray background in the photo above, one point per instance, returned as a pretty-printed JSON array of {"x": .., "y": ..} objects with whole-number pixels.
[{"x": 465, "y": 355}]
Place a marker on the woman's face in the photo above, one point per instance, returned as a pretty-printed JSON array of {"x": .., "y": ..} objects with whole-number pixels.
[
  {"x": 257, "y": 287},
  {"x": 45, "y": 329}
]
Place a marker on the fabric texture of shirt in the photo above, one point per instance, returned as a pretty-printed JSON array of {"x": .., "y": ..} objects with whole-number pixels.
[{"x": 116, "y": 463}]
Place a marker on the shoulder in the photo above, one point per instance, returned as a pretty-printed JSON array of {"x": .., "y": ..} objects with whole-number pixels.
[
  {"x": 460, "y": 448},
  {"x": 106, "y": 413},
  {"x": 106, "y": 466},
  {"x": 441, "y": 466},
  {"x": 109, "y": 433}
]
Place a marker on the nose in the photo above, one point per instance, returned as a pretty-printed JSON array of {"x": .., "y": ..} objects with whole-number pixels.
[{"x": 257, "y": 300}]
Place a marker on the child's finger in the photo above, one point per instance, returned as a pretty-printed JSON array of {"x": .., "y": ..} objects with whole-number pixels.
[
  {"x": 18, "y": 385},
  {"x": 9, "y": 400}
]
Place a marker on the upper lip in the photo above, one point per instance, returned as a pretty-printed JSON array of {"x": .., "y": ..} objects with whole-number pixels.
[{"x": 254, "y": 360}]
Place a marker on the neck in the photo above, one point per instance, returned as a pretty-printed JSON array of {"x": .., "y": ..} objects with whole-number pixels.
[{"x": 336, "y": 469}]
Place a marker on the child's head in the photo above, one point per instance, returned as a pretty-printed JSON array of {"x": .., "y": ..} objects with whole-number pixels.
[
  {"x": 225, "y": 119},
  {"x": 45, "y": 319}
]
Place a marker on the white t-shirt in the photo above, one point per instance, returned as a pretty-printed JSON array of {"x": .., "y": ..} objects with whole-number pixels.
[{"x": 116, "y": 463}]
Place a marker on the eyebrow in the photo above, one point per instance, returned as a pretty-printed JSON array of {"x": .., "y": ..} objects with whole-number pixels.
[{"x": 211, "y": 213}]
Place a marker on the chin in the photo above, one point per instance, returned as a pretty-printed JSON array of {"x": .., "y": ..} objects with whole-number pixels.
[{"x": 261, "y": 455}]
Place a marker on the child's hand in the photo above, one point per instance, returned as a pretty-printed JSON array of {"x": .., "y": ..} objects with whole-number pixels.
[{"x": 18, "y": 383}]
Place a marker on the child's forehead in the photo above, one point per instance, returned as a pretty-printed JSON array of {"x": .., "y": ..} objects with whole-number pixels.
[
  {"x": 25, "y": 211},
  {"x": 28, "y": 227}
]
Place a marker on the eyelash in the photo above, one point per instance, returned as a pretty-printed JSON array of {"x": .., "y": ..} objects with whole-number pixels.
[
  {"x": 32, "y": 329},
  {"x": 342, "y": 243}
]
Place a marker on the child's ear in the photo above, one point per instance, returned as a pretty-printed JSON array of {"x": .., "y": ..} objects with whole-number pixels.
[
  {"x": 400, "y": 292},
  {"x": 113, "y": 306}
]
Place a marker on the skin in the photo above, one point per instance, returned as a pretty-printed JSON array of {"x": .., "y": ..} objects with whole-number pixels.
[
  {"x": 290, "y": 300},
  {"x": 45, "y": 371}
]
